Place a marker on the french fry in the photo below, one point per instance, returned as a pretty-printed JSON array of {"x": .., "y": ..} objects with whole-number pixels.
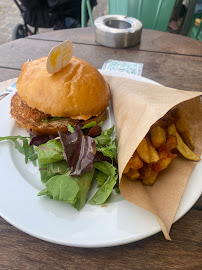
[
  {"x": 165, "y": 159},
  {"x": 154, "y": 157},
  {"x": 145, "y": 171},
  {"x": 170, "y": 144},
  {"x": 133, "y": 174},
  {"x": 151, "y": 179},
  {"x": 151, "y": 157},
  {"x": 182, "y": 128},
  {"x": 144, "y": 151},
  {"x": 127, "y": 168},
  {"x": 158, "y": 136},
  {"x": 135, "y": 162},
  {"x": 181, "y": 146}
]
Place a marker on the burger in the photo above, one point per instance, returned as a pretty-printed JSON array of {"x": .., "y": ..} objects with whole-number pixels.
[{"x": 46, "y": 103}]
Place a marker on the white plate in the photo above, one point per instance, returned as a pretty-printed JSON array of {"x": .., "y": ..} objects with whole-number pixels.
[{"x": 94, "y": 226}]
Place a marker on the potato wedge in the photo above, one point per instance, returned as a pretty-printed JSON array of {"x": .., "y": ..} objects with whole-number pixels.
[
  {"x": 170, "y": 144},
  {"x": 135, "y": 162},
  {"x": 154, "y": 156},
  {"x": 182, "y": 128},
  {"x": 144, "y": 151},
  {"x": 158, "y": 136},
  {"x": 181, "y": 146},
  {"x": 165, "y": 159},
  {"x": 150, "y": 181},
  {"x": 133, "y": 174},
  {"x": 145, "y": 171},
  {"x": 127, "y": 168}
]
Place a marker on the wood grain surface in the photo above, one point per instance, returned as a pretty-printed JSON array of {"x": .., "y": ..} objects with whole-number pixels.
[
  {"x": 21, "y": 251},
  {"x": 151, "y": 40},
  {"x": 178, "y": 71},
  {"x": 171, "y": 60}
]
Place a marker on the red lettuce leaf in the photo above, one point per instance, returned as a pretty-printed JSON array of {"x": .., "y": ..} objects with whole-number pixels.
[
  {"x": 79, "y": 151},
  {"x": 100, "y": 157},
  {"x": 39, "y": 139},
  {"x": 95, "y": 131}
]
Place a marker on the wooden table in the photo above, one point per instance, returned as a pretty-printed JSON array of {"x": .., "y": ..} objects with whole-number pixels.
[{"x": 169, "y": 59}]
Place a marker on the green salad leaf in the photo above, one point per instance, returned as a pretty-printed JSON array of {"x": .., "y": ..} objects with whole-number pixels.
[
  {"x": 91, "y": 124},
  {"x": 109, "y": 131},
  {"x": 51, "y": 169},
  {"x": 49, "y": 152},
  {"x": 105, "y": 167},
  {"x": 70, "y": 128},
  {"x": 62, "y": 188},
  {"x": 102, "y": 140},
  {"x": 51, "y": 119},
  {"x": 84, "y": 181},
  {"x": 104, "y": 192},
  {"x": 107, "y": 177},
  {"x": 32, "y": 155},
  {"x": 101, "y": 178},
  {"x": 106, "y": 145},
  {"x": 43, "y": 173},
  {"x": 59, "y": 167},
  {"x": 25, "y": 148},
  {"x": 69, "y": 189}
]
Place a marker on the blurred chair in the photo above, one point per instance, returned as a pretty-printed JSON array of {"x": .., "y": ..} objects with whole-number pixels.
[
  {"x": 154, "y": 14},
  {"x": 86, "y": 6}
]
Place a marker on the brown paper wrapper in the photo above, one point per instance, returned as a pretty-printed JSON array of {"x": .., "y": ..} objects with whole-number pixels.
[{"x": 137, "y": 106}]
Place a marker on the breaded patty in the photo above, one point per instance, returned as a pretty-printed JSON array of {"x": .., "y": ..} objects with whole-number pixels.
[
  {"x": 21, "y": 111},
  {"x": 33, "y": 119},
  {"x": 30, "y": 118}
]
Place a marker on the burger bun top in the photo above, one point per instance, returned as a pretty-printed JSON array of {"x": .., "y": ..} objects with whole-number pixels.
[{"x": 78, "y": 90}]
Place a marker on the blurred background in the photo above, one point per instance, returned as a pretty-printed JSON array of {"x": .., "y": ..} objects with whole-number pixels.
[
  {"x": 185, "y": 18},
  {"x": 10, "y": 16}
]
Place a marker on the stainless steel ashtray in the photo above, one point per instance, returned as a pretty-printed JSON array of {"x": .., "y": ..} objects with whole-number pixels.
[{"x": 118, "y": 31}]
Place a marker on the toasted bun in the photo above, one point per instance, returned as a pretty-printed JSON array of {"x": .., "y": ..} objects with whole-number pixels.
[{"x": 78, "y": 90}]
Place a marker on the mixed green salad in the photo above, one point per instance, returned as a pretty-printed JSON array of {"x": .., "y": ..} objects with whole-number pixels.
[{"x": 72, "y": 161}]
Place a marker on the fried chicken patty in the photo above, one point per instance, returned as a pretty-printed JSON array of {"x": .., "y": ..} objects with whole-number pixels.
[
  {"x": 30, "y": 118},
  {"x": 21, "y": 110}
]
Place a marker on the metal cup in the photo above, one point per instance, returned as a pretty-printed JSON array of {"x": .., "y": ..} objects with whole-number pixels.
[{"x": 118, "y": 31}]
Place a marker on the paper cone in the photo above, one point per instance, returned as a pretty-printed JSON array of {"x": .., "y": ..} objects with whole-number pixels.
[{"x": 137, "y": 106}]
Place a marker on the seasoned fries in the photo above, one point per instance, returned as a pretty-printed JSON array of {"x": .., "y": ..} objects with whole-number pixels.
[
  {"x": 165, "y": 159},
  {"x": 182, "y": 128},
  {"x": 144, "y": 151},
  {"x": 145, "y": 171},
  {"x": 135, "y": 162},
  {"x": 151, "y": 179},
  {"x": 181, "y": 146},
  {"x": 133, "y": 174},
  {"x": 153, "y": 154},
  {"x": 158, "y": 136}
]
